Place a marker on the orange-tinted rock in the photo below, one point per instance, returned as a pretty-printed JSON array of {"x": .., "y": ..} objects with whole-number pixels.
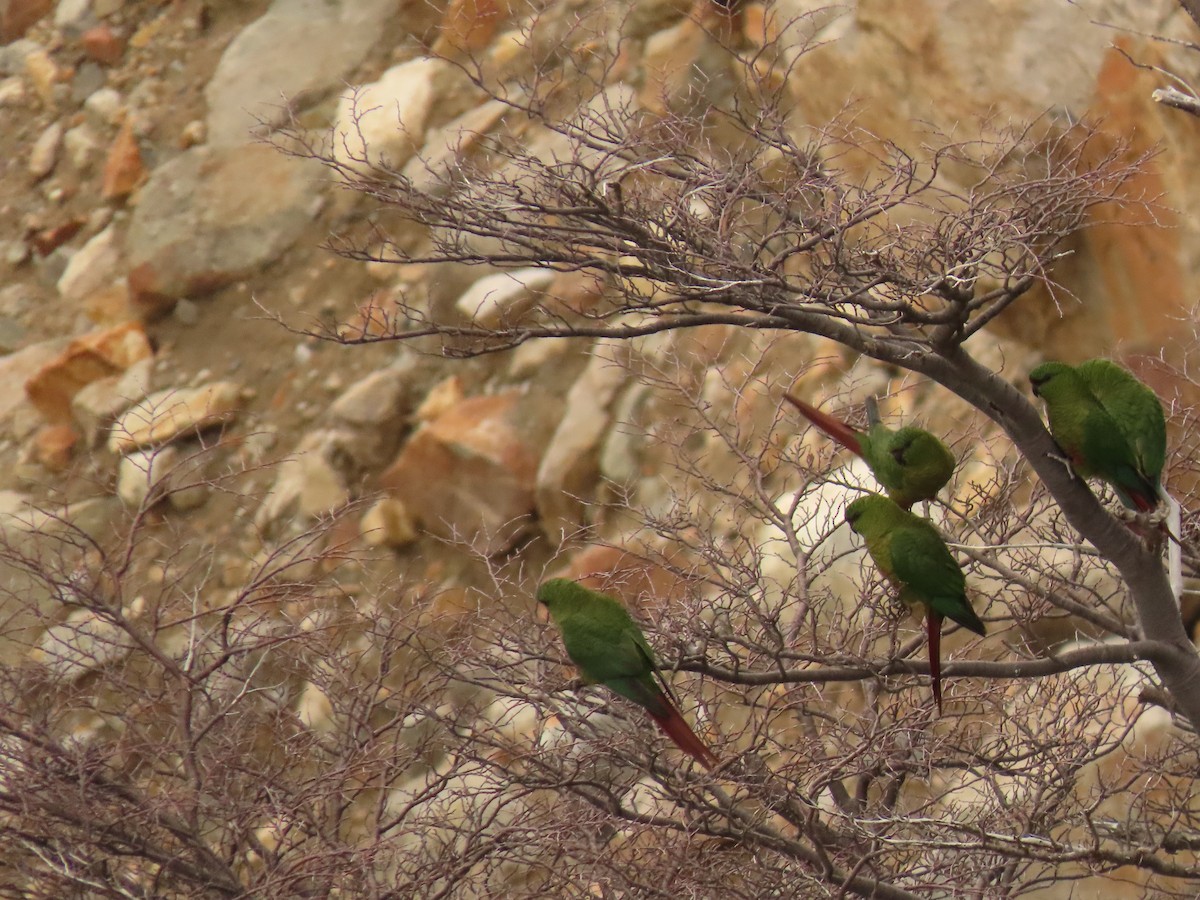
[
  {"x": 638, "y": 581},
  {"x": 468, "y": 474},
  {"x": 86, "y": 359},
  {"x": 147, "y": 298},
  {"x": 468, "y": 25},
  {"x": 18, "y": 16},
  {"x": 102, "y": 44},
  {"x": 53, "y": 446},
  {"x": 123, "y": 169},
  {"x": 46, "y": 240}
]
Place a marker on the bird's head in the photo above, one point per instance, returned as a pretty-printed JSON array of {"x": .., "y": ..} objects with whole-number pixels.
[
  {"x": 1046, "y": 374},
  {"x": 872, "y": 514}
]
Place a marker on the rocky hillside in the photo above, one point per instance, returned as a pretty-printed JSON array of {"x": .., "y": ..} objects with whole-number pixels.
[{"x": 176, "y": 417}]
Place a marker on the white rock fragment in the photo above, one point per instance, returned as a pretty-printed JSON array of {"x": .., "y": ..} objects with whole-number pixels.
[
  {"x": 381, "y": 125},
  {"x": 106, "y": 105},
  {"x": 95, "y": 406},
  {"x": 505, "y": 296},
  {"x": 43, "y": 157},
  {"x": 84, "y": 642},
  {"x": 92, "y": 268},
  {"x": 373, "y": 400},
  {"x": 144, "y": 472},
  {"x": 166, "y": 415},
  {"x": 308, "y": 484}
]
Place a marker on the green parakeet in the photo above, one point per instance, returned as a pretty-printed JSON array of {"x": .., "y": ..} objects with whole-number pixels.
[
  {"x": 913, "y": 556},
  {"x": 609, "y": 649},
  {"x": 909, "y": 462},
  {"x": 1110, "y": 425}
]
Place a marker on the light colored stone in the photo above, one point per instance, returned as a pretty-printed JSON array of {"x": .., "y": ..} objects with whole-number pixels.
[
  {"x": 71, "y": 13},
  {"x": 82, "y": 146},
  {"x": 83, "y": 643},
  {"x": 308, "y": 483},
  {"x": 381, "y": 125},
  {"x": 208, "y": 217},
  {"x": 376, "y": 400},
  {"x": 96, "y": 406},
  {"x": 445, "y": 149},
  {"x": 530, "y": 357},
  {"x": 388, "y": 523},
  {"x": 44, "y": 73},
  {"x": 93, "y": 267},
  {"x": 106, "y": 105},
  {"x": 314, "y": 709},
  {"x": 298, "y": 49},
  {"x": 145, "y": 472},
  {"x": 96, "y": 355},
  {"x": 500, "y": 300},
  {"x": 43, "y": 157},
  {"x": 569, "y": 467},
  {"x": 164, "y": 416},
  {"x": 12, "y": 91}
]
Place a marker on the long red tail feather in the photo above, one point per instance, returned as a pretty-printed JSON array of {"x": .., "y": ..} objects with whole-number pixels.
[
  {"x": 677, "y": 729},
  {"x": 934, "y": 622},
  {"x": 835, "y": 428}
]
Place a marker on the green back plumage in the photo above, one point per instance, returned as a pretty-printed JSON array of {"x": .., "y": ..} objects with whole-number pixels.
[
  {"x": 910, "y": 552},
  {"x": 1135, "y": 408},
  {"x": 604, "y": 642},
  {"x": 1109, "y": 424},
  {"x": 910, "y": 463}
]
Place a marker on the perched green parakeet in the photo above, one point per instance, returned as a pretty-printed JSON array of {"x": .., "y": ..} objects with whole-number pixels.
[
  {"x": 913, "y": 556},
  {"x": 909, "y": 462},
  {"x": 1110, "y": 425},
  {"x": 609, "y": 649}
]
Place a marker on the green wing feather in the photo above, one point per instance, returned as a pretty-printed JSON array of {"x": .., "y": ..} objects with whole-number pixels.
[
  {"x": 1134, "y": 408},
  {"x": 923, "y": 564}
]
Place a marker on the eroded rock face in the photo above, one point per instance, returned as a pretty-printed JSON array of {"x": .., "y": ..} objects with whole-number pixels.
[
  {"x": 299, "y": 47},
  {"x": 209, "y": 217},
  {"x": 469, "y": 474}
]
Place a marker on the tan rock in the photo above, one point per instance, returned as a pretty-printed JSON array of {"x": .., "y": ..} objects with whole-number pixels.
[
  {"x": 92, "y": 268},
  {"x": 41, "y": 69},
  {"x": 376, "y": 400},
  {"x": 381, "y": 125},
  {"x": 145, "y": 472},
  {"x": 308, "y": 484},
  {"x": 44, "y": 155},
  {"x": 96, "y": 406},
  {"x": 166, "y": 415},
  {"x": 500, "y": 300},
  {"x": 569, "y": 467},
  {"x": 388, "y": 524},
  {"x": 97, "y": 355},
  {"x": 468, "y": 474},
  {"x": 84, "y": 642}
]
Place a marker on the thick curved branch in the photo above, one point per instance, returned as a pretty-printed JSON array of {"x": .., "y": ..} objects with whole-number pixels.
[{"x": 1096, "y": 655}]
